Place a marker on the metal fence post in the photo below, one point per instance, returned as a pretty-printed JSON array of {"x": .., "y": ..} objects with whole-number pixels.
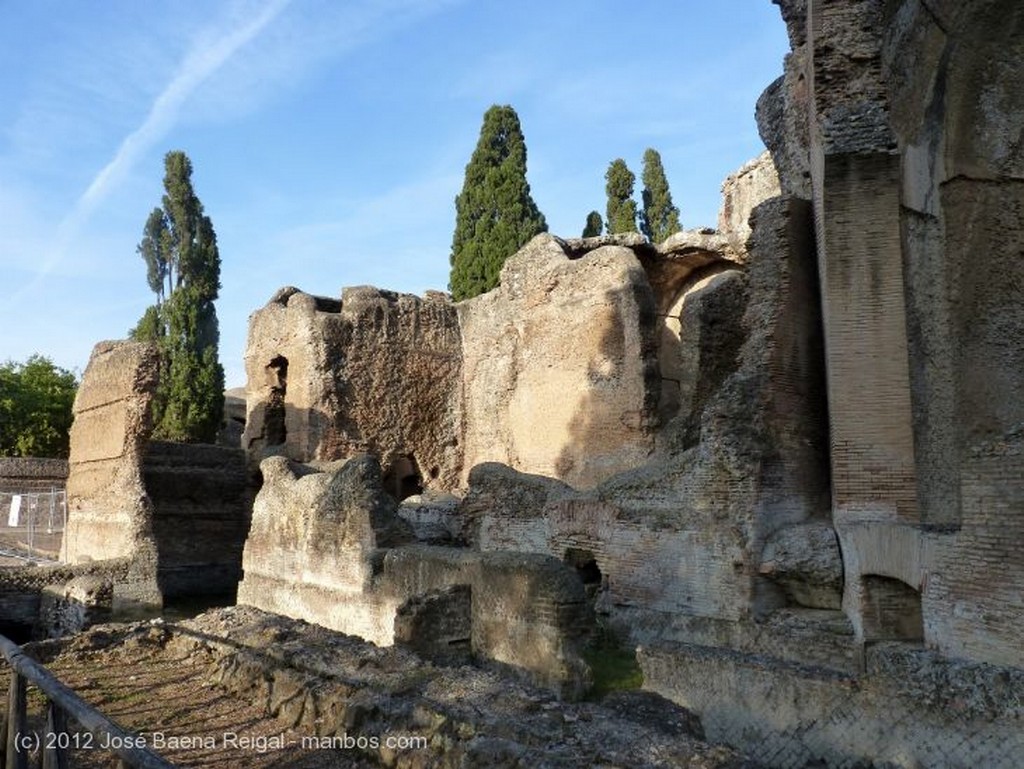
[
  {"x": 16, "y": 756},
  {"x": 55, "y": 749}
]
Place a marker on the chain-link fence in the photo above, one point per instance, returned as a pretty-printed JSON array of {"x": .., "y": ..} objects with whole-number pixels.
[{"x": 32, "y": 523}]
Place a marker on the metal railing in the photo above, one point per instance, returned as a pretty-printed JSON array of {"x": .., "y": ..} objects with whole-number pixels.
[{"x": 56, "y": 742}]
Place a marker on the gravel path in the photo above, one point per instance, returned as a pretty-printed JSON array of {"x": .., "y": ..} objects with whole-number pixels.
[{"x": 165, "y": 699}]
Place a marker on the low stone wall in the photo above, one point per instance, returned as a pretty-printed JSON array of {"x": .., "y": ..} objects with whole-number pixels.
[
  {"x": 327, "y": 545},
  {"x": 527, "y": 610},
  {"x": 31, "y": 474},
  {"x": 910, "y": 709},
  {"x": 23, "y": 591},
  {"x": 200, "y": 503}
]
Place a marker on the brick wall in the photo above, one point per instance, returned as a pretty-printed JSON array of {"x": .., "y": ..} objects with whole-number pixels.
[
  {"x": 865, "y": 330},
  {"x": 27, "y": 474},
  {"x": 975, "y": 597},
  {"x": 200, "y": 515}
]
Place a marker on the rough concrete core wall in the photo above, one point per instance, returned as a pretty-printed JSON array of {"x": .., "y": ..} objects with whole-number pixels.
[
  {"x": 681, "y": 535},
  {"x": 560, "y": 364},
  {"x": 109, "y": 513},
  {"x": 327, "y": 546},
  {"x": 376, "y": 371}
]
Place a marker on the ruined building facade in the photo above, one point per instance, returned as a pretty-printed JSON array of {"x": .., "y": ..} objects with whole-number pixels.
[
  {"x": 798, "y": 441},
  {"x": 785, "y": 460}
]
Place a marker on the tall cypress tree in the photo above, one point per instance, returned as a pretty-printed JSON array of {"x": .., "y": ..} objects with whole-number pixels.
[
  {"x": 179, "y": 246},
  {"x": 494, "y": 214},
  {"x": 594, "y": 226},
  {"x": 659, "y": 217},
  {"x": 621, "y": 211}
]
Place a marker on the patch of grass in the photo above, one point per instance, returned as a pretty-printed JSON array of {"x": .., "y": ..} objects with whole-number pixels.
[{"x": 614, "y": 666}]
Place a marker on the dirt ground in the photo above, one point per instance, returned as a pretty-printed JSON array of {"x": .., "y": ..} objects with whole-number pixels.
[{"x": 164, "y": 698}]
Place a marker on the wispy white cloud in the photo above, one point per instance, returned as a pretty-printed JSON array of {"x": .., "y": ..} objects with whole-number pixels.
[{"x": 199, "y": 64}]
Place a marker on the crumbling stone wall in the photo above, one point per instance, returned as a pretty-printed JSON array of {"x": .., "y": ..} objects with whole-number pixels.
[
  {"x": 742, "y": 191},
  {"x": 681, "y": 535},
  {"x": 560, "y": 364},
  {"x": 178, "y": 514},
  {"x": 376, "y": 371},
  {"x": 899, "y": 123},
  {"x": 327, "y": 546},
  {"x": 913, "y": 116},
  {"x": 568, "y": 368},
  {"x": 29, "y": 596},
  {"x": 109, "y": 514}
]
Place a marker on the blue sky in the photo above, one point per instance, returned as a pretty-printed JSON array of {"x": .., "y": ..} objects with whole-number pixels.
[{"x": 329, "y": 137}]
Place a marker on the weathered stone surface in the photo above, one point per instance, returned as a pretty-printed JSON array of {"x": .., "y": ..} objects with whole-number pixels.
[
  {"x": 233, "y": 426},
  {"x": 910, "y": 707},
  {"x": 559, "y": 364},
  {"x": 901, "y": 121},
  {"x": 109, "y": 513},
  {"x": 700, "y": 346},
  {"x": 177, "y": 513},
  {"x": 66, "y": 609},
  {"x": 326, "y": 545},
  {"x": 682, "y": 534},
  {"x": 201, "y": 506},
  {"x": 434, "y": 518},
  {"x": 742, "y": 191},
  {"x": 322, "y": 684},
  {"x": 437, "y": 625},
  {"x": 694, "y": 241},
  {"x": 377, "y": 371},
  {"x": 783, "y": 111},
  {"x": 21, "y": 474},
  {"x": 806, "y": 561},
  {"x": 312, "y": 546}
]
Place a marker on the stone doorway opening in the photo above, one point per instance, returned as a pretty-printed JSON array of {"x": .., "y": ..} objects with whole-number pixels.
[
  {"x": 274, "y": 420},
  {"x": 402, "y": 479},
  {"x": 891, "y": 610},
  {"x": 585, "y": 564}
]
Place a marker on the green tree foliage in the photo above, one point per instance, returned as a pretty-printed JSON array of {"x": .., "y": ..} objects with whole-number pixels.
[
  {"x": 494, "y": 214},
  {"x": 154, "y": 250},
  {"x": 595, "y": 225},
  {"x": 179, "y": 247},
  {"x": 621, "y": 211},
  {"x": 659, "y": 217},
  {"x": 150, "y": 327},
  {"x": 35, "y": 408}
]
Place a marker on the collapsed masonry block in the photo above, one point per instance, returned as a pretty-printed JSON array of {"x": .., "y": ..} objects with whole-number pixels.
[{"x": 328, "y": 546}]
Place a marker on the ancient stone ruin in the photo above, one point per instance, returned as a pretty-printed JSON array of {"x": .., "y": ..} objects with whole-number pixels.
[
  {"x": 784, "y": 455},
  {"x": 783, "y": 460},
  {"x": 178, "y": 514}
]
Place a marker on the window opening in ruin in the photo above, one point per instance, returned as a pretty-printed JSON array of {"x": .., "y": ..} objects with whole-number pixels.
[
  {"x": 402, "y": 479},
  {"x": 892, "y": 610},
  {"x": 585, "y": 564},
  {"x": 274, "y": 418}
]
